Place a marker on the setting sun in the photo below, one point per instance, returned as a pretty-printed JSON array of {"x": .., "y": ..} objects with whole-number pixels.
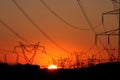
[{"x": 52, "y": 67}]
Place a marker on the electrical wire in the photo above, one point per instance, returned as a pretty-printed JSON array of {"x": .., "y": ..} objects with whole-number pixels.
[
  {"x": 14, "y": 32},
  {"x": 55, "y": 14},
  {"x": 60, "y": 18},
  {"x": 81, "y": 8},
  {"x": 85, "y": 15},
  {"x": 38, "y": 28}
]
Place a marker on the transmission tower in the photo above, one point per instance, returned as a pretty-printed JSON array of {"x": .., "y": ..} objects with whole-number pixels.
[
  {"x": 31, "y": 49},
  {"x": 114, "y": 32}
]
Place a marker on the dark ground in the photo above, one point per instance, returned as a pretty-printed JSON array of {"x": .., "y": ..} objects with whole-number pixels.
[{"x": 106, "y": 71}]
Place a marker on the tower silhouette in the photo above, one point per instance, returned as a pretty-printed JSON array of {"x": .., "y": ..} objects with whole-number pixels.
[{"x": 114, "y": 32}]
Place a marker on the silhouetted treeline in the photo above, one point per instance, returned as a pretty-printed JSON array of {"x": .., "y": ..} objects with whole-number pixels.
[{"x": 105, "y": 71}]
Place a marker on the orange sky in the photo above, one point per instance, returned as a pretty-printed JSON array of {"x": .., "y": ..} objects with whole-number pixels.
[{"x": 62, "y": 34}]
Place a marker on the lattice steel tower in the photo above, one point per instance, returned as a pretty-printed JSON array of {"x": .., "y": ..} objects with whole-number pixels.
[{"x": 114, "y": 32}]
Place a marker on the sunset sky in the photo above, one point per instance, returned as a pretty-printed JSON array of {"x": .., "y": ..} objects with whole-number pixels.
[{"x": 65, "y": 36}]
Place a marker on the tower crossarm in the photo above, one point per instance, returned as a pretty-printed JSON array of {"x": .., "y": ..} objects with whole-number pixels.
[{"x": 111, "y": 12}]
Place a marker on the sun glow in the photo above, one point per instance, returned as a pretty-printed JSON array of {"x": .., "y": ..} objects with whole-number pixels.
[{"x": 52, "y": 67}]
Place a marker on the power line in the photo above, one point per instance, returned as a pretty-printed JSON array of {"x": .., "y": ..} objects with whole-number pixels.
[
  {"x": 38, "y": 28},
  {"x": 85, "y": 15},
  {"x": 55, "y": 14},
  {"x": 14, "y": 32},
  {"x": 60, "y": 18}
]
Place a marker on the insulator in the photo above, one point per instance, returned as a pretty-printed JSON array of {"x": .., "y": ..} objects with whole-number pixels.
[
  {"x": 108, "y": 39},
  {"x": 96, "y": 39}
]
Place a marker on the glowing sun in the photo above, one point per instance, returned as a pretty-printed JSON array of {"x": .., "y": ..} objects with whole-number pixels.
[{"x": 52, "y": 67}]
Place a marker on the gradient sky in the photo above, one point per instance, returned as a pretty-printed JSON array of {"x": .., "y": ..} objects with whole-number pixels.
[{"x": 69, "y": 38}]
